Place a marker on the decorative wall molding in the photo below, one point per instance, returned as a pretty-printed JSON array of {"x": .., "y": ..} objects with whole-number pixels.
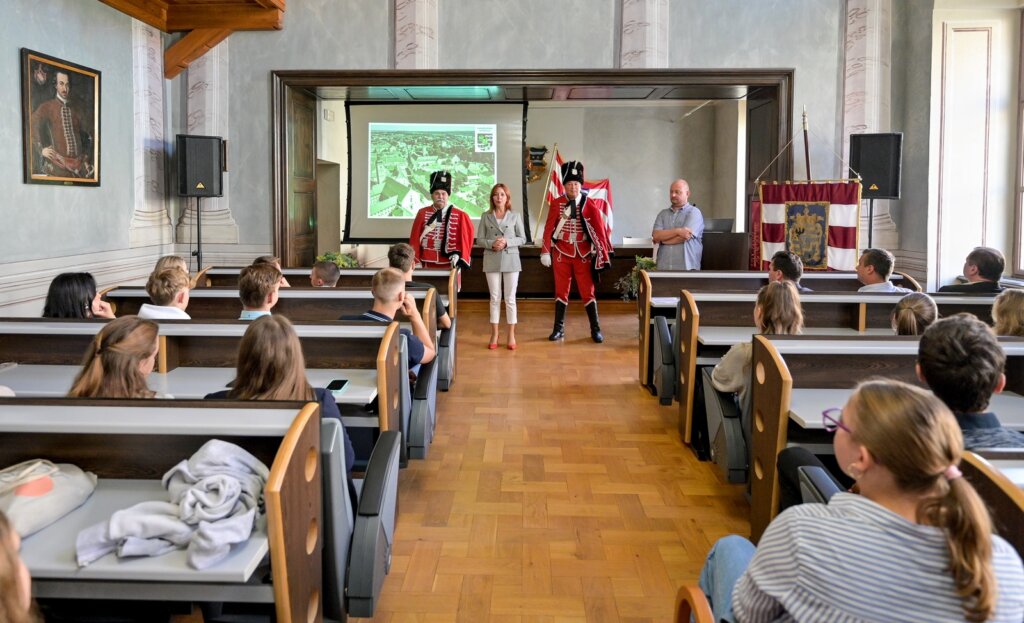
[
  {"x": 416, "y": 34},
  {"x": 914, "y": 263},
  {"x": 23, "y": 285},
  {"x": 150, "y": 223},
  {"x": 867, "y": 95},
  {"x": 223, "y": 254},
  {"x": 644, "y": 34},
  {"x": 207, "y": 115}
]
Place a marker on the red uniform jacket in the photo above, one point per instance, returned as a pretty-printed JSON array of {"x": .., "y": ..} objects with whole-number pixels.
[
  {"x": 456, "y": 232},
  {"x": 593, "y": 229}
]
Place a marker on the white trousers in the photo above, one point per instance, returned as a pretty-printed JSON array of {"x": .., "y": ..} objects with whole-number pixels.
[{"x": 494, "y": 284}]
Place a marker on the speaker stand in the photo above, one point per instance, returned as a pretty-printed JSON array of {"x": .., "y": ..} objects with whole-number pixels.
[
  {"x": 870, "y": 220},
  {"x": 198, "y": 253}
]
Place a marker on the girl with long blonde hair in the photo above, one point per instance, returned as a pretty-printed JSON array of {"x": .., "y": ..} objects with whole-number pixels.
[
  {"x": 271, "y": 366},
  {"x": 1008, "y": 313},
  {"x": 118, "y": 361},
  {"x": 776, "y": 312},
  {"x": 915, "y": 544}
]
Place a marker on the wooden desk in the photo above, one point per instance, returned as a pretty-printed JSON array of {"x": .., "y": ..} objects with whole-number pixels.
[
  {"x": 312, "y": 304},
  {"x": 129, "y": 445},
  {"x": 368, "y": 346},
  {"x": 806, "y": 405},
  {"x": 785, "y": 365},
  {"x": 669, "y": 283},
  {"x": 445, "y": 281}
]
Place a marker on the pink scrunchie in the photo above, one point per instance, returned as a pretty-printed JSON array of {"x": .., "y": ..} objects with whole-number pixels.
[{"x": 952, "y": 472}]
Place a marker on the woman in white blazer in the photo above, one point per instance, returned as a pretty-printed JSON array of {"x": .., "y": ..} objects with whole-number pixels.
[{"x": 501, "y": 233}]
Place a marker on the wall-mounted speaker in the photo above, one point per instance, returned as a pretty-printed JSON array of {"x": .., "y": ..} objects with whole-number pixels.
[
  {"x": 878, "y": 158},
  {"x": 200, "y": 165}
]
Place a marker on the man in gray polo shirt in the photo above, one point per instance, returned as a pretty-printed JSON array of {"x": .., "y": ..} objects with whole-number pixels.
[{"x": 679, "y": 230}]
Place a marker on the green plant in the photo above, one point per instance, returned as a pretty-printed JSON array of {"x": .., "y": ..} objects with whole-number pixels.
[
  {"x": 629, "y": 285},
  {"x": 343, "y": 260}
]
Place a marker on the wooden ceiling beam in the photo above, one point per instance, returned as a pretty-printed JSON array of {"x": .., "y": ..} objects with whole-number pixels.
[
  {"x": 179, "y": 56},
  {"x": 191, "y": 17},
  {"x": 152, "y": 12}
]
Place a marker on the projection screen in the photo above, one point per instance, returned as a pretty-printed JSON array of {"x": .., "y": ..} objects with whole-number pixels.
[{"x": 394, "y": 149}]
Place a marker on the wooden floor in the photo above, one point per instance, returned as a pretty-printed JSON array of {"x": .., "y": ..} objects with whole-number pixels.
[{"x": 556, "y": 488}]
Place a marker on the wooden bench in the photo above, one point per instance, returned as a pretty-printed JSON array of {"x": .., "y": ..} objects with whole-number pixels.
[
  {"x": 313, "y": 304},
  {"x": 823, "y": 313},
  {"x": 129, "y": 445},
  {"x": 197, "y": 358},
  {"x": 721, "y": 294},
  {"x": 795, "y": 378}
]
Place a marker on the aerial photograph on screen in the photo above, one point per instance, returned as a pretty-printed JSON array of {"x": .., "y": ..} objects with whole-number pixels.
[{"x": 403, "y": 155}]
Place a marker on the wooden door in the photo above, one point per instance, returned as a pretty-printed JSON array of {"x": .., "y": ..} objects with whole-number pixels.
[{"x": 300, "y": 227}]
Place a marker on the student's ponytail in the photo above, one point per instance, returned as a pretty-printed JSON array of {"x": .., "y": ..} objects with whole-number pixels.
[
  {"x": 915, "y": 436},
  {"x": 90, "y": 377},
  {"x": 964, "y": 519}
]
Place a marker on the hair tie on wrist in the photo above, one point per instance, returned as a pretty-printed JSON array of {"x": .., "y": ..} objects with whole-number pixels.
[{"x": 952, "y": 473}]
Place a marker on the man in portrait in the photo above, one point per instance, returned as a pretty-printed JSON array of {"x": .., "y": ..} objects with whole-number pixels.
[{"x": 61, "y": 142}]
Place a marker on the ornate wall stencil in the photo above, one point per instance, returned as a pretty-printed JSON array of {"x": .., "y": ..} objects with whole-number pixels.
[
  {"x": 415, "y": 34},
  {"x": 644, "y": 34}
]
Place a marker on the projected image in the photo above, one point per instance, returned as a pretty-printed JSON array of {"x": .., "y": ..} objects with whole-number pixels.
[{"x": 403, "y": 155}]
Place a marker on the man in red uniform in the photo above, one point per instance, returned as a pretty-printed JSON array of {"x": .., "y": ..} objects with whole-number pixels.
[
  {"x": 575, "y": 235},
  {"x": 442, "y": 235}
]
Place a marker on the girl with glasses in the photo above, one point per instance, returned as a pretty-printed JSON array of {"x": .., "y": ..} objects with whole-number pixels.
[{"x": 916, "y": 544}]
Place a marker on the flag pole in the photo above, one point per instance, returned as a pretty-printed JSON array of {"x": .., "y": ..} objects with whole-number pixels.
[
  {"x": 807, "y": 149},
  {"x": 547, "y": 184}
]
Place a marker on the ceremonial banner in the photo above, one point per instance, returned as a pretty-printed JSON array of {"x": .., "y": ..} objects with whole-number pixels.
[{"x": 818, "y": 221}]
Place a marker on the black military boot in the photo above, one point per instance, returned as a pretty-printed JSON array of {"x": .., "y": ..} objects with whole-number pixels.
[
  {"x": 559, "y": 331},
  {"x": 595, "y": 324}
]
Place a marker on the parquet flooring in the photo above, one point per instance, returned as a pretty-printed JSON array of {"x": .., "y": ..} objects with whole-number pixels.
[{"x": 556, "y": 489}]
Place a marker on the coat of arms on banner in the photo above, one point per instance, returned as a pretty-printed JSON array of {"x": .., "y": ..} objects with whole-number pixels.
[
  {"x": 805, "y": 223},
  {"x": 816, "y": 220}
]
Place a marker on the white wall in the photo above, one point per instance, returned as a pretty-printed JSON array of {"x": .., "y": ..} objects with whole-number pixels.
[{"x": 642, "y": 149}]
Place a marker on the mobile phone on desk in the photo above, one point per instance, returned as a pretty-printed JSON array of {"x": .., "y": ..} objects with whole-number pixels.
[{"x": 337, "y": 385}]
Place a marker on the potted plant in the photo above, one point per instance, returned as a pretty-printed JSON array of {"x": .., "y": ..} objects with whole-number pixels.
[
  {"x": 343, "y": 260},
  {"x": 629, "y": 285}
]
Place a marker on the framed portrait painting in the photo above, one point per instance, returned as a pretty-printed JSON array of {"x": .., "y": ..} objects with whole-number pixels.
[{"x": 60, "y": 121}]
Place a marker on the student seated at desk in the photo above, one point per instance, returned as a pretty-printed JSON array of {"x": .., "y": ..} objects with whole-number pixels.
[
  {"x": 118, "y": 361},
  {"x": 169, "y": 290},
  {"x": 787, "y": 266},
  {"x": 271, "y": 367},
  {"x": 961, "y": 361},
  {"x": 1008, "y": 313},
  {"x": 257, "y": 289},
  {"x": 913, "y": 314},
  {"x": 402, "y": 257},
  {"x": 15, "y": 583},
  {"x": 276, "y": 263},
  {"x": 983, "y": 268},
  {"x": 324, "y": 275},
  {"x": 874, "y": 269},
  {"x": 916, "y": 544},
  {"x": 388, "y": 287},
  {"x": 73, "y": 295},
  {"x": 777, "y": 312}
]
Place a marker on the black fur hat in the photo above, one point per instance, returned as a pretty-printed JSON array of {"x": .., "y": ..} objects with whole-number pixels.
[
  {"x": 572, "y": 171},
  {"x": 441, "y": 180}
]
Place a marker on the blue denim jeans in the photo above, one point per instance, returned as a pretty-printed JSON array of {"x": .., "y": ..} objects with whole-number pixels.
[{"x": 726, "y": 562}]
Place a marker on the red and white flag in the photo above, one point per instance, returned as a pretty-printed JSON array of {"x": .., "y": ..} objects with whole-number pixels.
[
  {"x": 555, "y": 187},
  {"x": 597, "y": 189},
  {"x": 816, "y": 220}
]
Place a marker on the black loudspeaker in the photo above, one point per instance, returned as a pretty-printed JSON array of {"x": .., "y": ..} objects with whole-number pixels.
[
  {"x": 200, "y": 166},
  {"x": 878, "y": 158}
]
